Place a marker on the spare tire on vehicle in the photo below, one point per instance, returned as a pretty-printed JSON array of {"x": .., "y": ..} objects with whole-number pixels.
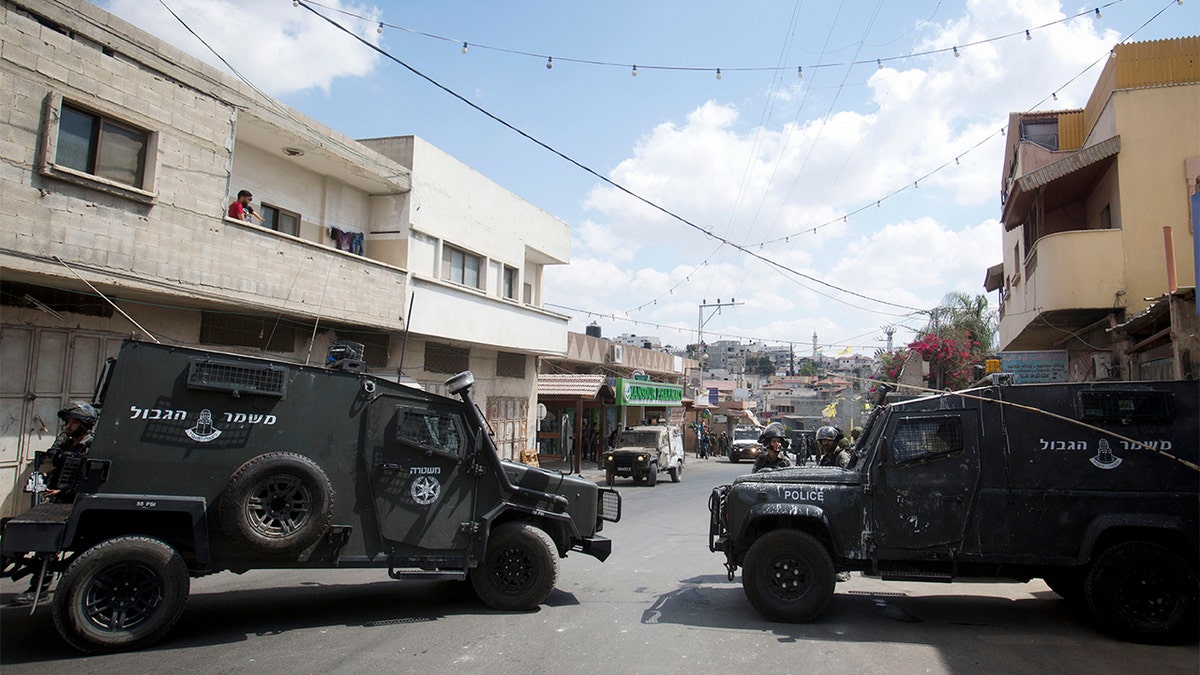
[{"x": 278, "y": 504}]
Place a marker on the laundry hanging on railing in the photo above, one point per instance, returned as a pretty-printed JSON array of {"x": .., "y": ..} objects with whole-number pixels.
[{"x": 347, "y": 241}]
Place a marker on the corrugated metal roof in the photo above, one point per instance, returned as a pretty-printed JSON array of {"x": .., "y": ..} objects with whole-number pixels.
[
  {"x": 584, "y": 386},
  {"x": 1068, "y": 165}
]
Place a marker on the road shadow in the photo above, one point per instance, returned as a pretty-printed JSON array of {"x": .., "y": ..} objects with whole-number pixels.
[
  {"x": 968, "y": 630},
  {"x": 233, "y": 616}
]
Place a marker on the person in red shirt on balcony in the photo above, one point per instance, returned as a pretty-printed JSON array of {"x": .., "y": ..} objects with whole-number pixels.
[{"x": 241, "y": 209}]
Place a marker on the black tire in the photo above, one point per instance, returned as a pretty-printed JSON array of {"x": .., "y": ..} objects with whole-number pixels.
[
  {"x": 733, "y": 459},
  {"x": 788, "y": 576},
  {"x": 1143, "y": 591},
  {"x": 123, "y": 593},
  {"x": 519, "y": 569},
  {"x": 278, "y": 504},
  {"x": 652, "y": 477},
  {"x": 1067, "y": 583},
  {"x": 676, "y": 472}
]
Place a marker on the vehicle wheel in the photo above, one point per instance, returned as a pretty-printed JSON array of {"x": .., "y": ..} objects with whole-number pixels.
[
  {"x": 279, "y": 503},
  {"x": 1144, "y": 591},
  {"x": 676, "y": 472},
  {"x": 519, "y": 569},
  {"x": 652, "y": 476},
  {"x": 610, "y": 478},
  {"x": 788, "y": 576},
  {"x": 122, "y": 593},
  {"x": 733, "y": 460},
  {"x": 1067, "y": 583}
]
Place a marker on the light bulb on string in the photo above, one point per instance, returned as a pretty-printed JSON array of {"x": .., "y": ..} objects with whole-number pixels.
[
  {"x": 295, "y": 3},
  {"x": 634, "y": 73},
  {"x": 955, "y": 161},
  {"x": 1054, "y": 95},
  {"x": 1028, "y": 37},
  {"x": 718, "y": 73},
  {"x": 1097, "y": 12},
  {"x": 879, "y": 62},
  {"x": 379, "y": 28},
  {"x": 915, "y": 186},
  {"x": 956, "y": 52},
  {"x": 800, "y": 72},
  {"x": 549, "y": 62},
  {"x": 464, "y": 48}
]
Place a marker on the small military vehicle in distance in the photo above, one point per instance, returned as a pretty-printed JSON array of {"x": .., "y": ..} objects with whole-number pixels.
[
  {"x": 744, "y": 444},
  {"x": 204, "y": 462},
  {"x": 645, "y": 451},
  {"x": 1092, "y": 487}
]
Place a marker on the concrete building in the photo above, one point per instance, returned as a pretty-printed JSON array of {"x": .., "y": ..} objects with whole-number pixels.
[
  {"x": 595, "y": 385},
  {"x": 1095, "y": 207},
  {"x": 120, "y": 155}
]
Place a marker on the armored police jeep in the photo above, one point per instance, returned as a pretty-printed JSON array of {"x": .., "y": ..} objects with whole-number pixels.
[
  {"x": 205, "y": 462},
  {"x": 642, "y": 452},
  {"x": 745, "y": 443},
  {"x": 1092, "y": 487}
]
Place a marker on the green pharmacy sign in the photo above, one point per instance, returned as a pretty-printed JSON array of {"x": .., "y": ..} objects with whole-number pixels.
[{"x": 636, "y": 392}]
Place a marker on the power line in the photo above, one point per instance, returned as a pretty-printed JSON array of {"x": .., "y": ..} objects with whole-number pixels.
[
  {"x": 587, "y": 169},
  {"x": 635, "y": 67}
]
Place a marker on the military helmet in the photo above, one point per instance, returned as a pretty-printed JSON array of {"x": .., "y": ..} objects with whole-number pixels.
[
  {"x": 79, "y": 410},
  {"x": 828, "y": 432},
  {"x": 773, "y": 430}
]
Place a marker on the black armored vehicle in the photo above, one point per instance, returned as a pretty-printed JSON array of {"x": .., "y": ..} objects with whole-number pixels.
[
  {"x": 203, "y": 462},
  {"x": 1093, "y": 487}
]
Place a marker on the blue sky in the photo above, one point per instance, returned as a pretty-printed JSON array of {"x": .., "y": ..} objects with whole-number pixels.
[{"x": 761, "y": 158}]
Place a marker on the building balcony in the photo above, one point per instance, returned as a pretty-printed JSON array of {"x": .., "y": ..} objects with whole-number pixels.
[{"x": 1069, "y": 281}]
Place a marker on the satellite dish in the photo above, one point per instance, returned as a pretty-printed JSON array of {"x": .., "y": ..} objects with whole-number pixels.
[
  {"x": 695, "y": 382},
  {"x": 541, "y": 411}
]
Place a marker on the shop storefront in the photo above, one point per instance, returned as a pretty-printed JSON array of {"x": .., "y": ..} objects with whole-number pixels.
[
  {"x": 579, "y": 416},
  {"x": 644, "y": 402}
]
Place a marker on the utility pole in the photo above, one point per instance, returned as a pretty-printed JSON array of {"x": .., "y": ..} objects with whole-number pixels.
[
  {"x": 700, "y": 321},
  {"x": 889, "y": 330}
]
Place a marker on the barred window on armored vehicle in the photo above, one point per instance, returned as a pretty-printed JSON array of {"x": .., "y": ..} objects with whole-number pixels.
[
  {"x": 1127, "y": 407},
  {"x": 430, "y": 430},
  {"x": 926, "y": 437}
]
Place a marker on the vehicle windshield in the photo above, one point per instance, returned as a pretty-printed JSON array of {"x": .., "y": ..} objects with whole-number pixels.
[
  {"x": 745, "y": 434},
  {"x": 641, "y": 439}
]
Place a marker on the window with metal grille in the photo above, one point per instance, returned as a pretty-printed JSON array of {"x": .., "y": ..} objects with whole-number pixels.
[
  {"x": 510, "y": 365},
  {"x": 236, "y": 376},
  {"x": 926, "y": 437},
  {"x": 431, "y": 430},
  {"x": 1127, "y": 407},
  {"x": 247, "y": 331},
  {"x": 16, "y": 294},
  {"x": 441, "y": 358},
  {"x": 376, "y": 345},
  {"x": 94, "y": 144}
]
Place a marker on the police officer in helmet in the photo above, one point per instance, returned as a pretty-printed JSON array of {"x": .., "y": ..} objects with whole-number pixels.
[
  {"x": 774, "y": 441},
  {"x": 831, "y": 453},
  {"x": 58, "y": 476}
]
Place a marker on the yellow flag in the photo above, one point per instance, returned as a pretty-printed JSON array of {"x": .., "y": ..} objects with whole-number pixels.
[
  {"x": 831, "y": 409},
  {"x": 844, "y": 351}
]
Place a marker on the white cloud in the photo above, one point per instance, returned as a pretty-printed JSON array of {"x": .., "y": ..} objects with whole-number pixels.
[
  {"x": 279, "y": 48},
  {"x": 922, "y": 114}
]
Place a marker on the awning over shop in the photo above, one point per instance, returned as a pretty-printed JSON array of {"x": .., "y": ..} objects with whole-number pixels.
[
  {"x": 1067, "y": 179},
  {"x": 574, "y": 386}
]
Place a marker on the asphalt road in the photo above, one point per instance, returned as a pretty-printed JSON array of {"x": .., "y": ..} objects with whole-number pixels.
[{"x": 661, "y": 603}]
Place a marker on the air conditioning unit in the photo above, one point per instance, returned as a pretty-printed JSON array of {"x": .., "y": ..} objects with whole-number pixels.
[{"x": 616, "y": 354}]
